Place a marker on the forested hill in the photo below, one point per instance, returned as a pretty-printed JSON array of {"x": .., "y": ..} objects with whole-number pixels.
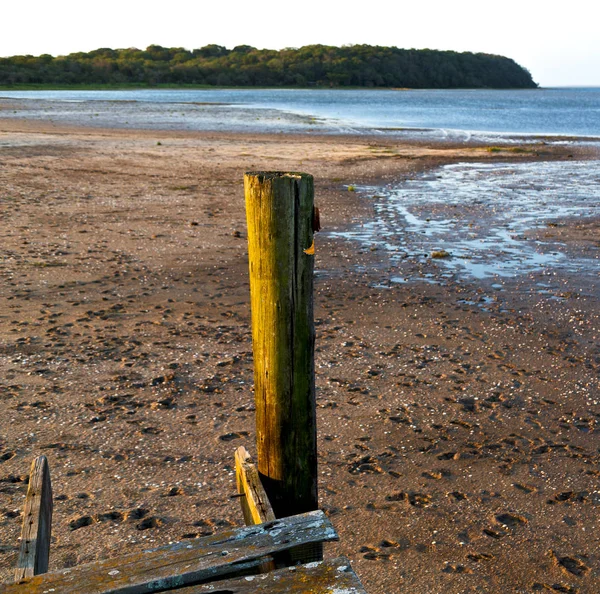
[{"x": 312, "y": 65}]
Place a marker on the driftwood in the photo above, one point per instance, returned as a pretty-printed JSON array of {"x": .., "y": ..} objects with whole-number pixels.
[
  {"x": 324, "y": 577},
  {"x": 34, "y": 552},
  {"x": 185, "y": 563}
]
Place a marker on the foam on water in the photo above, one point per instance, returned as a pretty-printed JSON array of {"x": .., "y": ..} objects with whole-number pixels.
[{"x": 481, "y": 214}]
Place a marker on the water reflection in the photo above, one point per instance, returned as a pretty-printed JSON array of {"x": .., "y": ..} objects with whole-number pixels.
[{"x": 482, "y": 216}]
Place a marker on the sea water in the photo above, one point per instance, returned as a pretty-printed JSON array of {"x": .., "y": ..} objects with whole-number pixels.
[{"x": 438, "y": 114}]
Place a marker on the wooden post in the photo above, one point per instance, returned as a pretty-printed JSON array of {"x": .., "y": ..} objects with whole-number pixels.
[
  {"x": 37, "y": 523},
  {"x": 279, "y": 210}
]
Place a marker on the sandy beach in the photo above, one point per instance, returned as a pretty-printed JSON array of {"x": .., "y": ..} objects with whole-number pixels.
[{"x": 459, "y": 427}]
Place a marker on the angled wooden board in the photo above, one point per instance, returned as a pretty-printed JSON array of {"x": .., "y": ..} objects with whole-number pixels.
[
  {"x": 257, "y": 509},
  {"x": 255, "y": 503},
  {"x": 184, "y": 563},
  {"x": 323, "y": 577}
]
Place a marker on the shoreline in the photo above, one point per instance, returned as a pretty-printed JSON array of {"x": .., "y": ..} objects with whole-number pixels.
[
  {"x": 458, "y": 424},
  {"x": 252, "y": 116},
  {"x": 530, "y": 147}
]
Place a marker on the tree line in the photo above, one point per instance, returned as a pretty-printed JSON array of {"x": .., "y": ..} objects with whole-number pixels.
[{"x": 312, "y": 65}]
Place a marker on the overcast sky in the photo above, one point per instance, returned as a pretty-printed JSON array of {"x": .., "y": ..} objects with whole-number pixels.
[{"x": 558, "y": 43}]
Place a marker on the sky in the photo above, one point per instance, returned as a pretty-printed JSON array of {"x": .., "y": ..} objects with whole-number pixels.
[{"x": 557, "y": 42}]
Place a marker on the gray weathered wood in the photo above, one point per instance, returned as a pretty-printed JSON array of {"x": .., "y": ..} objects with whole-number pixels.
[
  {"x": 254, "y": 501},
  {"x": 184, "y": 563},
  {"x": 279, "y": 211},
  {"x": 34, "y": 552},
  {"x": 324, "y": 577}
]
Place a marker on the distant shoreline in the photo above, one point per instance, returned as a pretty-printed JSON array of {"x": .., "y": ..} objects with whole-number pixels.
[
  {"x": 142, "y": 87},
  {"x": 199, "y": 87},
  {"x": 312, "y": 65}
]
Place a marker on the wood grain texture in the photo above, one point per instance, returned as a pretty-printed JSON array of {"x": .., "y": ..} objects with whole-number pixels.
[
  {"x": 185, "y": 563},
  {"x": 255, "y": 503},
  {"x": 34, "y": 553},
  {"x": 325, "y": 577},
  {"x": 279, "y": 211}
]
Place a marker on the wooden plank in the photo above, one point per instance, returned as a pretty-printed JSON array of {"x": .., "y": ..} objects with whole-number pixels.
[
  {"x": 255, "y": 503},
  {"x": 279, "y": 212},
  {"x": 322, "y": 577},
  {"x": 34, "y": 553},
  {"x": 184, "y": 563},
  {"x": 256, "y": 508}
]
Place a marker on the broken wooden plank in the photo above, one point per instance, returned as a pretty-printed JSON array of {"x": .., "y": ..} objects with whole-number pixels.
[
  {"x": 34, "y": 552},
  {"x": 184, "y": 563},
  {"x": 256, "y": 507},
  {"x": 255, "y": 503},
  {"x": 322, "y": 577}
]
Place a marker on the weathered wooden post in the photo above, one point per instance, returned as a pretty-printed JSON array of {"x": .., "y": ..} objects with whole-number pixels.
[
  {"x": 34, "y": 552},
  {"x": 279, "y": 210}
]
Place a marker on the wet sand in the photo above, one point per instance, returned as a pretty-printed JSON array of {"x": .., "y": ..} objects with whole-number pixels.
[{"x": 459, "y": 438}]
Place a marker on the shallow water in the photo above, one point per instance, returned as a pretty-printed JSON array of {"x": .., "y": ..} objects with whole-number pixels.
[
  {"x": 480, "y": 215},
  {"x": 440, "y": 114}
]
